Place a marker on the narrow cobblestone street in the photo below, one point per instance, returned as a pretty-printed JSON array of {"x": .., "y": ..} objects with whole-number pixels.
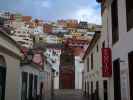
[
  {"x": 68, "y": 95},
  {"x": 66, "y": 50}
]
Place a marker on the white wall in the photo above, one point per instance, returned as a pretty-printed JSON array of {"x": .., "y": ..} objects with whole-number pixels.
[
  {"x": 122, "y": 48},
  {"x": 47, "y": 82},
  {"x": 12, "y": 90},
  {"x": 78, "y": 73},
  {"x": 106, "y": 32},
  {"x": 56, "y": 82}
]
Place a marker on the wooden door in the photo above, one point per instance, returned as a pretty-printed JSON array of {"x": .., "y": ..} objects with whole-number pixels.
[
  {"x": 130, "y": 59},
  {"x": 67, "y": 80},
  {"x": 117, "y": 84},
  {"x": 2, "y": 83}
]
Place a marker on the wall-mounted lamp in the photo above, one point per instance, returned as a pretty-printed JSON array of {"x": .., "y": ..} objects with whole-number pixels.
[{"x": 123, "y": 61}]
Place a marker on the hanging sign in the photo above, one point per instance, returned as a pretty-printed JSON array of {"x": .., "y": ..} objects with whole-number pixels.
[{"x": 106, "y": 62}]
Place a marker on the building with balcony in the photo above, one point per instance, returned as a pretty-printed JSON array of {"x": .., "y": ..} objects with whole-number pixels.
[{"x": 22, "y": 34}]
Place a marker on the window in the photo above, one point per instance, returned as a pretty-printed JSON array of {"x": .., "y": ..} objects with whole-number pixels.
[
  {"x": 114, "y": 11},
  {"x": 103, "y": 44},
  {"x": 97, "y": 48},
  {"x": 129, "y": 11},
  {"x": 88, "y": 64},
  {"x": 24, "y": 85},
  {"x": 92, "y": 61},
  {"x": 92, "y": 97}
]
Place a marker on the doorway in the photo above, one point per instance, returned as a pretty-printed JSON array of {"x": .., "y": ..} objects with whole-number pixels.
[
  {"x": 2, "y": 77},
  {"x": 105, "y": 86},
  {"x": 130, "y": 60},
  {"x": 2, "y": 83},
  {"x": 30, "y": 86},
  {"x": 24, "y": 86},
  {"x": 67, "y": 79},
  {"x": 35, "y": 87},
  {"x": 117, "y": 84},
  {"x": 88, "y": 89},
  {"x": 41, "y": 90},
  {"x": 92, "y": 94},
  {"x": 97, "y": 90}
]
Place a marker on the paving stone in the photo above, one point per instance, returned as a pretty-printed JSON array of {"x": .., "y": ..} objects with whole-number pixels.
[{"x": 68, "y": 95}]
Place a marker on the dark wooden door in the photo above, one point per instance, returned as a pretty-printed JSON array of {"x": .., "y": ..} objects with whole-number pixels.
[
  {"x": 67, "y": 80},
  {"x": 24, "y": 86},
  {"x": 97, "y": 90},
  {"x": 105, "y": 87},
  {"x": 2, "y": 83},
  {"x": 117, "y": 85},
  {"x": 130, "y": 58},
  {"x": 41, "y": 90},
  {"x": 30, "y": 86}
]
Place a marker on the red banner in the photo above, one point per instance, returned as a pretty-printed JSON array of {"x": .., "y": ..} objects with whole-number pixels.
[{"x": 106, "y": 62}]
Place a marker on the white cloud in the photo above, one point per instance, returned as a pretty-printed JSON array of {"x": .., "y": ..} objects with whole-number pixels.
[
  {"x": 89, "y": 14},
  {"x": 43, "y": 3}
]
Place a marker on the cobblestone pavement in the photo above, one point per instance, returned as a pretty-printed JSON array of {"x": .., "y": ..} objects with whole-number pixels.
[{"x": 68, "y": 95}]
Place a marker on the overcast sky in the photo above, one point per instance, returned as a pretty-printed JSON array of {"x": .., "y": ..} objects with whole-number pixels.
[{"x": 84, "y": 10}]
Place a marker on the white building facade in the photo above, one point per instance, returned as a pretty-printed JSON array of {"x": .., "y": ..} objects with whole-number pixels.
[
  {"x": 9, "y": 68},
  {"x": 21, "y": 33},
  {"x": 94, "y": 85},
  {"x": 117, "y": 34}
]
